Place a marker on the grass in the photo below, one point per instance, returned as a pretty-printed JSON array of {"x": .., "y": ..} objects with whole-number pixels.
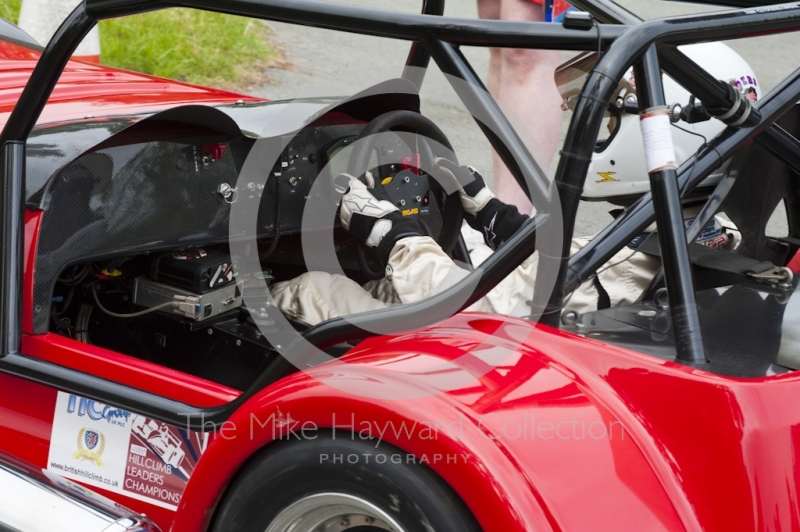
[
  {"x": 9, "y": 9},
  {"x": 184, "y": 44}
]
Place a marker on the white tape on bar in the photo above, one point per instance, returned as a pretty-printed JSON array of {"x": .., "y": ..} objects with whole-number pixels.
[{"x": 659, "y": 153}]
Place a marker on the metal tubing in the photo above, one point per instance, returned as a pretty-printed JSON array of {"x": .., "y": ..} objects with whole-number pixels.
[
  {"x": 12, "y": 190},
  {"x": 669, "y": 215},
  {"x": 713, "y": 203},
  {"x": 782, "y": 144},
  {"x": 717, "y": 26},
  {"x": 439, "y": 307},
  {"x": 309, "y": 12},
  {"x": 419, "y": 56},
  {"x": 472, "y": 32},
  {"x": 571, "y": 174},
  {"x": 607, "y": 11},
  {"x": 457, "y": 32},
  {"x": 12, "y": 161},
  {"x": 99, "y": 389},
  {"x": 383, "y": 23},
  {"x": 492, "y": 121},
  {"x": 598, "y": 90},
  {"x": 733, "y": 3},
  {"x": 712, "y": 92},
  {"x": 45, "y": 75},
  {"x": 691, "y": 173}
]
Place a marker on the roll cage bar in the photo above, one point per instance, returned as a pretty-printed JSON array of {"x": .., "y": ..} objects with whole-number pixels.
[{"x": 647, "y": 46}]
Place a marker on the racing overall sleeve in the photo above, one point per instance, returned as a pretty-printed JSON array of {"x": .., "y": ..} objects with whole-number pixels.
[{"x": 418, "y": 268}]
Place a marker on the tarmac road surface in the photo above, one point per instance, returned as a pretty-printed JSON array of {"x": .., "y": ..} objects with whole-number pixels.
[{"x": 327, "y": 62}]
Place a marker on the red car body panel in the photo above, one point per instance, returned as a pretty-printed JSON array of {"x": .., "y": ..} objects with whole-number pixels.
[
  {"x": 90, "y": 89},
  {"x": 698, "y": 451},
  {"x": 127, "y": 370},
  {"x": 681, "y": 449},
  {"x": 517, "y": 480}
]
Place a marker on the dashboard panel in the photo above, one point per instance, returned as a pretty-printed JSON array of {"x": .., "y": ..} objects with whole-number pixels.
[{"x": 142, "y": 195}]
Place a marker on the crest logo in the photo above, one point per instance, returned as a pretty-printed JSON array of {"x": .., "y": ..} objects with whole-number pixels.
[
  {"x": 91, "y": 444},
  {"x": 90, "y": 438}
]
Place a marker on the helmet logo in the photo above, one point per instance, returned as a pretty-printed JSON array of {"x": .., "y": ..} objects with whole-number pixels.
[
  {"x": 747, "y": 86},
  {"x": 605, "y": 177}
]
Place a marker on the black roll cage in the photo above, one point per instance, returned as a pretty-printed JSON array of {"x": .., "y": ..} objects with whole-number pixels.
[{"x": 648, "y": 46}]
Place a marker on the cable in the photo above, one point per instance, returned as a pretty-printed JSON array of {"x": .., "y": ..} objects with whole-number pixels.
[
  {"x": 82, "y": 323},
  {"x": 703, "y": 146},
  {"x": 695, "y": 133},
  {"x": 77, "y": 277},
  {"x": 595, "y": 275},
  {"x": 132, "y": 315},
  {"x": 599, "y": 41}
]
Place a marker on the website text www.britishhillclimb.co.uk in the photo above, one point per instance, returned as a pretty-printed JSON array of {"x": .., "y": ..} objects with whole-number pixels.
[{"x": 85, "y": 474}]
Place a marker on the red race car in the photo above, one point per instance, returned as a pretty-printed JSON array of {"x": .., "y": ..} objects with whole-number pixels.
[{"x": 149, "y": 228}]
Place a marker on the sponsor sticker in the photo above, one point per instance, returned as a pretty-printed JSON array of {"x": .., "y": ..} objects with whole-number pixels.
[
  {"x": 123, "y": 452},
  {"x": 606, "y": 177},
  {"x": 747, "y": 85}
]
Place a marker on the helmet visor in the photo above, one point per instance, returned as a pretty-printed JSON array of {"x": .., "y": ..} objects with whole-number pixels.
[{"x": 571, "y": 76}]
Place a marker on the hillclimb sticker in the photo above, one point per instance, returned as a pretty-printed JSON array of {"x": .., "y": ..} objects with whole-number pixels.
[{"x": 122, "y": 452}]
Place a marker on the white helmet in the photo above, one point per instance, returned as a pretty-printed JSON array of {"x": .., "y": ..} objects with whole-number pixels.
[{"x": 617, "y": 171}]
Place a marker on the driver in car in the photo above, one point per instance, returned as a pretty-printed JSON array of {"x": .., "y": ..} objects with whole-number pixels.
[{"x": 416, "y": 267}]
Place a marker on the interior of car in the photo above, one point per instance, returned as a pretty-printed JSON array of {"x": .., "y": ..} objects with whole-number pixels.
[{"x": 134, "y": 251}]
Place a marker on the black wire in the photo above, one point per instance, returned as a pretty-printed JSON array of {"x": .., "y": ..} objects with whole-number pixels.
[
  {"x": 594, "y": 275},
  {"x": 626, "y": 259},
  {"x": 695, "y": 133},
  {"x": 699, "y": 151}
]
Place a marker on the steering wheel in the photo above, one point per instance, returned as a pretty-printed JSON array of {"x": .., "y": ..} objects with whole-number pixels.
[{"x": 408, "y": 189}]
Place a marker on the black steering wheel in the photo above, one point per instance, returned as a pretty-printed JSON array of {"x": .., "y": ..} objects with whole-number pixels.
[{"x": 413, "y": 192}]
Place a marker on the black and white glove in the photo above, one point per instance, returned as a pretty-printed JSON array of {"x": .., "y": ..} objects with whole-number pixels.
[
  {"x": 482, "y": 210},
  {"x": 369, "y": 215}
]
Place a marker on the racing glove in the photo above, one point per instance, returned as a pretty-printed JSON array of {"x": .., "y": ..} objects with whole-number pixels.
[
  {"x": 482, "y": 210},
  {"x": 369, "y": 215}
]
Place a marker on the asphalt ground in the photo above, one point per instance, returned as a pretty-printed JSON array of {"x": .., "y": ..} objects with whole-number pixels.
[{"x": 325, "y": 62}]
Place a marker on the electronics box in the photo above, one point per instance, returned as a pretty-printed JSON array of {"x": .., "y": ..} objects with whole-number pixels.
[
  {"x": 194, "y": 269},
  {"x": 198, "y": 307}
]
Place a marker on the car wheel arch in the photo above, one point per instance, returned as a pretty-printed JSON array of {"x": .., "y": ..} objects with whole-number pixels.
[{"x": 485, "y": 498}]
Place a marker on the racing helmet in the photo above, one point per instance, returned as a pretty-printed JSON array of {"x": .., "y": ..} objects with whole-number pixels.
[{"x": 617, "y": 172}]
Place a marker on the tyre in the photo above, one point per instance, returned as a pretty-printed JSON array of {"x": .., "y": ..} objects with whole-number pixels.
[{"x": 339, "y": 485}]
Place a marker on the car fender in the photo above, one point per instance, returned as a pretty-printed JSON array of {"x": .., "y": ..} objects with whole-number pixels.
[{"x": 519, "y": 439}]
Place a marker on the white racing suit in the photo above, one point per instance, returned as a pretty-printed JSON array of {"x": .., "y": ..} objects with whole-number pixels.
[{"x": 418, "y": 268}]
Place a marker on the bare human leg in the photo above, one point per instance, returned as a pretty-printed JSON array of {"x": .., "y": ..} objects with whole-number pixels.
[{"x": 522, "y": 81}]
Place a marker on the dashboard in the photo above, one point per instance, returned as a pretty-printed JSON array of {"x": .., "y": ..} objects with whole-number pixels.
[{"x": 168, "y": 185}]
